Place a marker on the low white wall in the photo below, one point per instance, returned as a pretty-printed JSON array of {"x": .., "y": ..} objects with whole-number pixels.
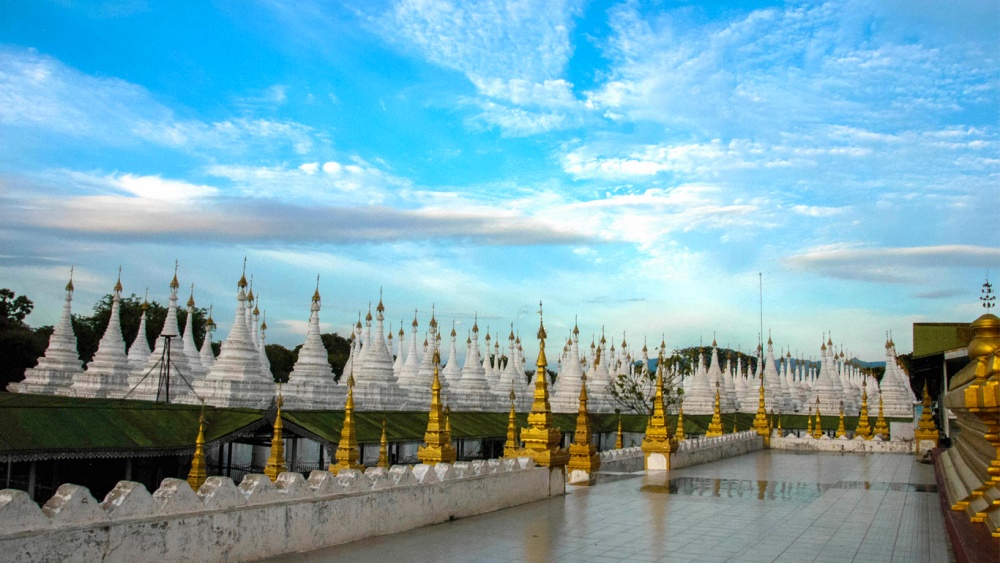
[
  {"x": 695, "y": 451},
  {"x": 223, "y": 522},
  {"x": 827, "y": 444},
  {"x": 689, "y": 452},
  {"x": 625, "y": 460}
]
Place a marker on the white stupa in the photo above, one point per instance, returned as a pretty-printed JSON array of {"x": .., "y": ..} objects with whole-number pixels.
[
  {"x": 699, "y": 393},
  {"x": 310, "y": 384},
  {"x": 206, "y": 355},
  {"x": 139, "y": 352},
  {"x": 565, "y": 397},
  {"x": 107, "y": 374},
  {"x": 61, "y": 362},
  {"x": 472, "y": 392},
  {"x": 198, "y": 371},
  {"x": 823, "y": 387},
  {"x": 236, "y": 379},
  {"x": 897, "y": 399},
  {"x": 375, "y": 386},
  {"x": 167, "y": 365}
]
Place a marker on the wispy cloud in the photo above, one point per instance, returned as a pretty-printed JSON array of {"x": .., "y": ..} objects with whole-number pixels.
[
  {"x": 892, "y": 265},
  {"x": 39, "y": 93},
  {"x": 514, "y": 52}
]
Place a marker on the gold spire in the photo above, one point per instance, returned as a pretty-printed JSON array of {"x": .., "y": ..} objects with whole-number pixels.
[
  {"x": 118, "y": 284},
  {"x": 818, "y": 427},
  {"x": 541, "y": 439},
  {"x": 809, "y": 423},
  {"x": 841, "y": 431},
  {"x": 864, "y": 429},
  {"x": 926, "y": 428},
  {"x": 881, "y": 426},
  {"x": 276, "y": 461},
  {"x": 196, "y": 477},
  {"x": 512, "y": 446},
  {"x": 209, "y": 323},
  {"x": 657, "y": 439},
  {"x": 243, "y": 277},
  {"x": 316, "y": 293},
  {"x": 760, "y": 423},
  {"x": 174, "y": 284},
  {"x": 620, "y": 438},
  {"x": 582, "y": 452},
  {"x": 715, "y": 427},
  {"x": 380, "y": 308},
  {"x": 348, "y": 454},
  {"x": 69, "y": 284},
  {"x": 679, "y": 434},
  {"x": 190, "y": 302},
  {"x": 383, "y": 448},
  {"x": 780, "y": 432},
  {"x": 437, "y": 446}
]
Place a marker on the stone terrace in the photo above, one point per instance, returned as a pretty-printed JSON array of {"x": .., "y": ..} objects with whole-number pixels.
[{"x": 763, "y": 506}]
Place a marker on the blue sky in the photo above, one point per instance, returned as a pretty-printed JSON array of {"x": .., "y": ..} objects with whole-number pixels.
[{"x": 635, "y": 164}]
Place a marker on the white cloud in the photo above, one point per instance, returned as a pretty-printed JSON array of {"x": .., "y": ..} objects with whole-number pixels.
[
  {"x": 891, "y": 264},
  {"x": 39, "y": 93}
]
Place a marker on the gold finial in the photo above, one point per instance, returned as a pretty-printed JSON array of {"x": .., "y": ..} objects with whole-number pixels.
[
  {"x": 118, "y": 284},
  {"x": 250, "y": 296},
  {"x": 414, "y": 325},
  {"x": 190, "y": 302},
  {"x": 809, "y": 423},
  {"x": 276, "y": 461},
  {"x": 475, "y": 323},
  {"x": 197, "y": 475},
  {"x": 453, "y": 333},
  {"x": 433, "y": 323},
  {"x": 620, "y": 438},
  {"x": 583, "y": 454},
  {"x": 209, "y": 323},
  {"x": 316, "y": 298},
  {"x": 173, "y": 283},
  {"x": 541, "y": 439},
  {"x": 760, "y": 422},
  {"x": 715, "y": 426},
  {"x": 863, "y": 429},
  {"x": 576, "y": 326},
  {"x": 383, "y": 448},
  {"x": 679, "y": 433},
  {"x": 512, "y": 446},
  {"x": 368, "y": 317},
  {"x": 263, "y": 325},
  {"x": 380, "y": 308},
  {"x": 145, "y": 301},
  {"x": 881, "y": 426},
  {"x": 841, "y": 430},
  {"x": 242, "y": 284},
  {"x": 69, "y": 285},
  {"x": 657, "y": 439},
  {"x": 818, "y": 427},
  {"x": 348, "y": 454},
  {"x": 437, "y": 447}
]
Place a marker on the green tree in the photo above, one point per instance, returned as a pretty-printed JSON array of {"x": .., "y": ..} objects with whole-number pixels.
[
  {"x": 282, "y": 361},
  {"x": 20, "y": 346},
  {"x": 338, "y": 350},
  {"x": 634, "y": 391}
]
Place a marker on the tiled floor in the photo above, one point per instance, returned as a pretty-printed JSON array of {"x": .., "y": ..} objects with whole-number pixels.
[{"x": 766, "y": 506}]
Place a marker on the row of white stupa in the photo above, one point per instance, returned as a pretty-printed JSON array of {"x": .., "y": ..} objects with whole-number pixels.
[
  {"x": 241, "y": 377},
  {"x": 796, "y": 388}
]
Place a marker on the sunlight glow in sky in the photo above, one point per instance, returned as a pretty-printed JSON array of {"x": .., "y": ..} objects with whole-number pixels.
[{"x": 633, "y": 163}]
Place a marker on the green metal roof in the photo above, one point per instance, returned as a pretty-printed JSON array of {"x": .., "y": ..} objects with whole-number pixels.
[{"x": 44, "y": 426}]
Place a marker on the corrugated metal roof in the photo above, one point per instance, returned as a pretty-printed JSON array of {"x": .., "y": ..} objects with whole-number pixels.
[{"x": 32, "y": 425}]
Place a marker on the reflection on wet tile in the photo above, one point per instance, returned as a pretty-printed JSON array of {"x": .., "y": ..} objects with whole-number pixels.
[
  {"x": 833, "y": 507},
  {"x": 737, "y": 488}
]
